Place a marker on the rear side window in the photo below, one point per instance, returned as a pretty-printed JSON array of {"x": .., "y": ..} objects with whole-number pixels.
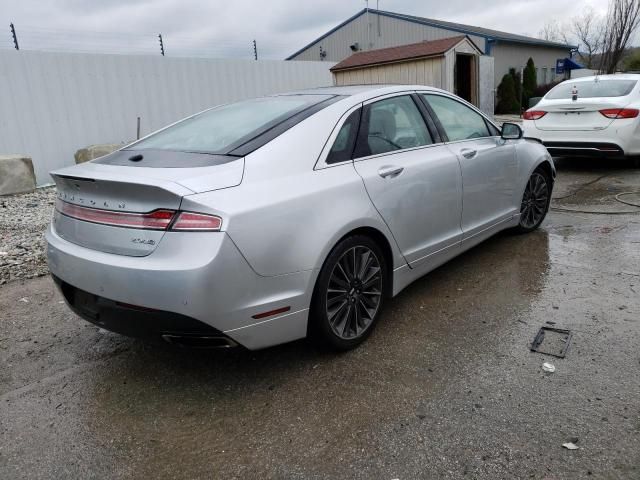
[
  {"x": 389, "y": 125},
  {"x": 219, "y": 130},
  {"x": 346, "y": 139},
  {"x": 458, "y": 121},
  {"x": 592, "y": 89}
]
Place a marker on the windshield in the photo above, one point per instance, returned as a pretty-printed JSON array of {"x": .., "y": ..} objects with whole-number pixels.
[
  {"x": 223, "y": 128},
  {"x": 596, "y": 88}
]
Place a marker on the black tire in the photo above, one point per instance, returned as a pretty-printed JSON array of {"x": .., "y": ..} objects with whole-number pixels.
[
  {"x": 357, "y": 301},
  {"x": 536, "y": 199}
]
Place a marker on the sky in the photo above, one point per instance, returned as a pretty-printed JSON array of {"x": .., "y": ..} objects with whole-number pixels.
[{"x": 216, "y": 28}]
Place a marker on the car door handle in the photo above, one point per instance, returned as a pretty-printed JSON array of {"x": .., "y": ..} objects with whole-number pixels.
[
  {"x": 468, "y": 153},
  {"x": 390, "y": 171}
]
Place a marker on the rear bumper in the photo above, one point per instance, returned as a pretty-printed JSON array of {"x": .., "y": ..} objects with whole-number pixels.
[
  {"x": 193, "y": 282},
  {"x": 132, "y": 320},
  {"x": 595, "y": 149},
  {"x": 621, "y": 138}
]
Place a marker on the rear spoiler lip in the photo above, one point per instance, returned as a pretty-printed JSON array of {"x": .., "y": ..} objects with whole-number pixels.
[
  {"x": 77, "y": 179},
  {"x": 178, "y": 181},
  {"x": 90, "y": 173}
]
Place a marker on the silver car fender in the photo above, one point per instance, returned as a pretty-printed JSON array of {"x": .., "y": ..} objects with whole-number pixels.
[
  {"x": 289, "y": 238},
  {"x": 531, "y": 155}
]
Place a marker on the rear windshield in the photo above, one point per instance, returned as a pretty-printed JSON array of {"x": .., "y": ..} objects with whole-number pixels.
[
  {"x": 221, "y": 129},
  {"x": 599, "y": 88}
]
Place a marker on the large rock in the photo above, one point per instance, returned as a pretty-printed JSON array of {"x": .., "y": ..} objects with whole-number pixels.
[
  {"x": 16, "y": 174},
  {"x": 95, "y": 151}
]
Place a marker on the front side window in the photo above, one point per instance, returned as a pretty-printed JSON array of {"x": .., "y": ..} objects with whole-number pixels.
[
  {"x": 220, "y": 129},
  {"x": 458, "y": 121},
  {"x": 344, "y": 142},
  {"x": 389, "y": 125}
]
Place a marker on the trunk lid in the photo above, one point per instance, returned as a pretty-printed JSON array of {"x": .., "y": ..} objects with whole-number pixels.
[
  {"x": 582, "y": 114},
  {"x": 130, "y": 190}
]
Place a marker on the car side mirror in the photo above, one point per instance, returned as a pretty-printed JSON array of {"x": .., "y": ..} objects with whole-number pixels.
[{"x": 511, "y": 131}]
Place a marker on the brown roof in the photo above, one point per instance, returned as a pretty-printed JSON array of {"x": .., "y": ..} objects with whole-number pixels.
[{"x": 403, "y": 52}]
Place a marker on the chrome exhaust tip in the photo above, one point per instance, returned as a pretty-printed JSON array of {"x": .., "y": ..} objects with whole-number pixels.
[{"x": 194, "y": 341}]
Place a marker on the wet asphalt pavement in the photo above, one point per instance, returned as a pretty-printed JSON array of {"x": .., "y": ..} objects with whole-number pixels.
[{"x": 446, "y": 386}]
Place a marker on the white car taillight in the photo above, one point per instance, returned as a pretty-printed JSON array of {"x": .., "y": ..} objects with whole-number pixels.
[
  {"x": 533, "y": 114},
  {"x": 620, "y": 112},
  {"x": 157, "y": 220}
]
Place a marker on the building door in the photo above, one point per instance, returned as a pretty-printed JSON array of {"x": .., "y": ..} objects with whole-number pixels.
[{"x": 464, "y": 75}]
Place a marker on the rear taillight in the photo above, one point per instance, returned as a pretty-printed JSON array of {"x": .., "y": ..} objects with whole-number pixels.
[
  {"x": 157, "y": 220},
  {"x": 615, "y": 113},
  {"x": 533, "y": 114},
  {"x": 189, "y": 221}
]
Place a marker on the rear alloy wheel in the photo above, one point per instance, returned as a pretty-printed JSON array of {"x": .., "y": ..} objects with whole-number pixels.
[
  {"x": 535, "y": 202},
  {"x": 349, "y": 294}
]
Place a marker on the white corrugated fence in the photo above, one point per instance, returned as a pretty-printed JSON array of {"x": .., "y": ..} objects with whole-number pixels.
[{"x": 52, "y": 104}]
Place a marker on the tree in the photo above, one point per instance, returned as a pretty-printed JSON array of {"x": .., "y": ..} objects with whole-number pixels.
[
  {"x": 623, "y": 17},
  {"x": 517, "y": 82},
  {"x": 588, "y": 29},
  {"x": 529, "y": 81},
  {"x": 554, "y": 31},
  {"x": 550, "y": 31},
  {"x": 507, "y": 102}
]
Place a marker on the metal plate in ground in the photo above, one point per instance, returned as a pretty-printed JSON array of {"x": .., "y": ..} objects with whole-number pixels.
[{"x": 552, "y": 341}]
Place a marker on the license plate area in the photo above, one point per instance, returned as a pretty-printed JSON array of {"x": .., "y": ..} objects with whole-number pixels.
[{"x": 86, "y": 303}]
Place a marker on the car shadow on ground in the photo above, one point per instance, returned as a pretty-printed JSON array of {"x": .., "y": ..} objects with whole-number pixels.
[
  {"x": 413, "y": 320},
  {"x": 439, "y": 332}
]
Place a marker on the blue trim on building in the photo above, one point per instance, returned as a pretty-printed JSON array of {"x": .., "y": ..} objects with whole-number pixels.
[
  {"x": 459, "y": 29},
  {"x": 488, "y": 46}
]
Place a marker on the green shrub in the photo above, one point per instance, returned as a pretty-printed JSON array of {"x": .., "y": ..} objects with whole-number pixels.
[
  {"x": 632, "y": 62},
  {"x": 529, "y": 81},
  {"x": 517, "y": 80},
  {"x": 507, "y": 101}
]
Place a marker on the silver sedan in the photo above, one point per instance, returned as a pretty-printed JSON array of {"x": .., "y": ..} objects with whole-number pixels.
[{"x": 288, "y": 216}]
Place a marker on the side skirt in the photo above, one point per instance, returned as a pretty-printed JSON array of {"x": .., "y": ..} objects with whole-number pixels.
[{"x": 404, "y": 276}]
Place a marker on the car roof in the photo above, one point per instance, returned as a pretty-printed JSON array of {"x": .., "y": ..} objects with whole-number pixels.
[
  {"x": 351, "y": 90},
  {"x": 615, "y": 76}
]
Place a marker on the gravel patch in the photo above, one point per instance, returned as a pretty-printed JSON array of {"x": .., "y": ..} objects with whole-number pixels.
[{"x": 23, "y": 221}]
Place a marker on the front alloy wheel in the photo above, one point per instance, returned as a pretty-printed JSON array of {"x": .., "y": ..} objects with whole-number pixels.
[
  {"x": 349, "y": 293},
  {"x": 535, "y": 202}
]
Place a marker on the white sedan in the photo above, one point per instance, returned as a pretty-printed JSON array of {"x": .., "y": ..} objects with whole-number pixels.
[{"x": 588, "y": 116}]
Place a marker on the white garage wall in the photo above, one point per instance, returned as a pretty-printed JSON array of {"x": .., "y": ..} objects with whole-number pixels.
[{"x": 52, "y": 104}]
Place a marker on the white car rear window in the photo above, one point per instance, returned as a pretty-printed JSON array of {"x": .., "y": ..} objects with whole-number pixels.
[{"x": 593, "y": 89}]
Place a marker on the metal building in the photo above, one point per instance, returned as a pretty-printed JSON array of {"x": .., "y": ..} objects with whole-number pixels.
[{"x": 374, "y": 29}]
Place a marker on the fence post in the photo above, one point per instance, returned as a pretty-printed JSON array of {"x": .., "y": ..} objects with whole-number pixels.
[
  {"x": 161, "y": 44},
  {"x": 15, "y": 37}
]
